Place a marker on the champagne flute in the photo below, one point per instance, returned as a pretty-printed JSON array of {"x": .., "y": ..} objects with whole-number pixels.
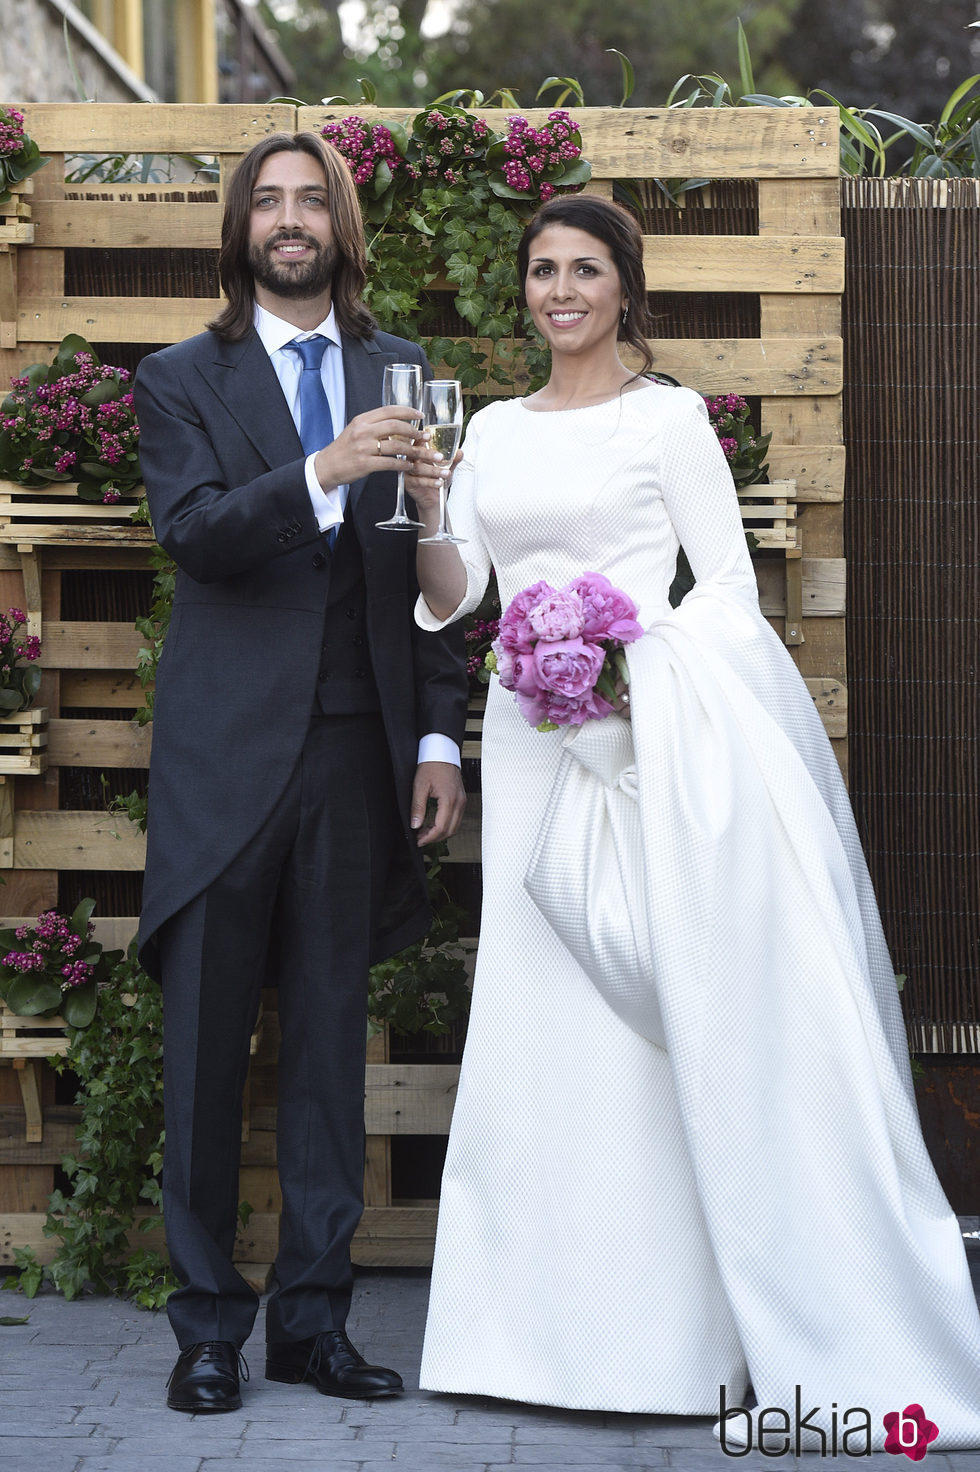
[
  {"x": 442, "y": 420},
  {"x": 402, "y": 385}
]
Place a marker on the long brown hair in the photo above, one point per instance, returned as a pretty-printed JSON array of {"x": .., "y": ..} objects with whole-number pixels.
[
  {"x": 618, "y": 230},
  {"x": 234, "y": 321}
]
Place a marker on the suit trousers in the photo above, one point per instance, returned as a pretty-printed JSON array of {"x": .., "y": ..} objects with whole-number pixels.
[{"x": 296, "y": 908}]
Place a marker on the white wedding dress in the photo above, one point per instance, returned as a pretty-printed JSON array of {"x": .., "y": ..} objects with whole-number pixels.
[{"x": 628, "y": 1228}]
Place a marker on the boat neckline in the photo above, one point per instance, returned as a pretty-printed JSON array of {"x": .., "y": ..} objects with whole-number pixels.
[{"x": 602, "y": 404}]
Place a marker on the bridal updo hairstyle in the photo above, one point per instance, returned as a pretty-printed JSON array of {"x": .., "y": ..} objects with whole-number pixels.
[{"x": 619, "y": 231}]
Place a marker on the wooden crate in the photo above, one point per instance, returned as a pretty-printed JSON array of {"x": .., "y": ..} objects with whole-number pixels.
[
  {"x": 23, "y": 742},
  {"x": 24, "y": 1043},
  {"x": 54, "y": 513},
  {"x": 16, "y": 226}
]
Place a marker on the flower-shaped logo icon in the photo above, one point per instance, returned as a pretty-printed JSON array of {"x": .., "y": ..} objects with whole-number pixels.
[{"x": 909, "y": 1431}]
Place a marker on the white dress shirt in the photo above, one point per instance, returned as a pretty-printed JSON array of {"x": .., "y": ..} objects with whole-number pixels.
[{"x": 328, "y": 506}]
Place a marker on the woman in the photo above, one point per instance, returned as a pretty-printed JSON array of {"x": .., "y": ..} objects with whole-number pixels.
[{"x": 624, "y": 1226}]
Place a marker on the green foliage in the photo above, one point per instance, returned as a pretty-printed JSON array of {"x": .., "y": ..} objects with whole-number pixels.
[
  {"x": 948, "y": 148},
  {"x": 447, "y": 200},
  {"x": 116, "y": 1167},
  {"x": 154, "y": 628},
  {"x": 425, "y": 988}
]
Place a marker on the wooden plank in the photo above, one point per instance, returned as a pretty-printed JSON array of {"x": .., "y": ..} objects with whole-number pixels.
[
  {"x": 465, "y": 845},
  {"x": 26, "y": 1229},
  {"x": 830, "y": 698},
  {"x": 26, "y": 1188},
  {"x": 93, "y": 646},
  {"x": 99, "y": 690},
  {"x": 395, "y": 1236},
  {"x": 105, "y": 224},
  {"x": 800, "y": 366},
  {"x": 74, "y": 743},
  {"x": 60, "y": 1123},
  {"x": 824, "y": 587},
  {"x": 74, "y": 558},
  {"x": 112, "y": 931},
  {"x": 726, "y": 263},
  {"x": 410, "y": 1098},
  {"x": 114, "y": 319},
  {"x": 817, "y": 469},
  {"x": 713, "y": 143},
  {"x": 163, "y": 128},
  {"x": 77, "y": 840}
]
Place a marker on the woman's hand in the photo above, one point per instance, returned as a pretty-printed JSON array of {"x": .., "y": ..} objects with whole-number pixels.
[
  {"x": 370, "y": 442},
  {"x": 423, "y": 474}
]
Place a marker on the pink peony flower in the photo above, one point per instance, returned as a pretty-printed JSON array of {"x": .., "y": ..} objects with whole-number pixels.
[
  {"x": 515, "y": 631},
  {"x": 608, "y": 612},
  {"x": 563, "y": 710},
  {"x": 569, "y": 667},
  {"x": 557, "y": 616}
]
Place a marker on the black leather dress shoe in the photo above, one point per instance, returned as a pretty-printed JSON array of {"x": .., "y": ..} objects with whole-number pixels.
[
  {"x": 205, "y": 1378},
  {"x": 331, "y": 1363}
]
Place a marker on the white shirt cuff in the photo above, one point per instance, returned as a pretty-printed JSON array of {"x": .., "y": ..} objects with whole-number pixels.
[
  {"x": 328, "y": 506},
  {"x": 438, "y": 748}
]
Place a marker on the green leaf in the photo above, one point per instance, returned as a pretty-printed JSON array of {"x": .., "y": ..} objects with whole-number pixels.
[
  {"x": 629, "y": 78},
  {"x": 30, "y": 996},
  {"x": 905, "y": 125},
  {"x": 569, "y": 87},
  {"x": 80, "y": 917},
  {"x": 103, "y": 392},
  {"x": 64, "y": 359},
  {"x": 955, "y": 97},
  {"x": 369, "y": 92},
  {"x": 7, "y": 1322},
  {"x": 78, "y": 1004},
  {"x": 746, "y": 79}
]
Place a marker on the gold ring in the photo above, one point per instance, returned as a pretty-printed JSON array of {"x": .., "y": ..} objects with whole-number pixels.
[{"x": 379, "y": 447}]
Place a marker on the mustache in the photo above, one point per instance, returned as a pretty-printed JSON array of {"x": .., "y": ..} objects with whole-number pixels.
[{"x": 292, "y": 235}]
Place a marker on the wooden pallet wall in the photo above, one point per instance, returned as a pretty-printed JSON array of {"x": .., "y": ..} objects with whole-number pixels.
[{"x": 792, "y": 265}]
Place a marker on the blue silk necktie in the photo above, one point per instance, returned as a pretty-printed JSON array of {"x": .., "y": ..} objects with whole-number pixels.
[{"x": 315, "y": 422}]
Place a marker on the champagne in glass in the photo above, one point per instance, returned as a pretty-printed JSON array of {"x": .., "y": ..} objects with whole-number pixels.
[
  {"x": 442, "y": 420},
  {"x": 402, "y": 385}
]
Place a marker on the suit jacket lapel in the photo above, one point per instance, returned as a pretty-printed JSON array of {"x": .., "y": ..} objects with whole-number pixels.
[{"x": 244, "y": 379}]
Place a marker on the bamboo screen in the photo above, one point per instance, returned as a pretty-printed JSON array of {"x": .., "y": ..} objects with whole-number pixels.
[{"x": 912, "y": 355}]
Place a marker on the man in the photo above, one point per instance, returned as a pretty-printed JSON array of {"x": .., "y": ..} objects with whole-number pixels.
[{"x": 289, "y": 790}]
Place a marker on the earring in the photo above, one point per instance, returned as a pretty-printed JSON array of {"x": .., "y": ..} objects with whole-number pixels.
[{"x": 626, "y": 311}]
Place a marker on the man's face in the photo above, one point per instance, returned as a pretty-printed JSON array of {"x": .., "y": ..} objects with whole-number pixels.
[{"x": 291, "y": 247}]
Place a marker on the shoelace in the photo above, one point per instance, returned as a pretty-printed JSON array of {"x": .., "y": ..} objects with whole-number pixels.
[
  {"x": 341, "y": 1342},
  {"x": 210, "y": 1352}
]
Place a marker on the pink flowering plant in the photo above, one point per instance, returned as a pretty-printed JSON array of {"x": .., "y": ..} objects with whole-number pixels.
[
  {"x": 561, "y": 650},
  {"x": 447, "y": 200},
  {"x": 72, "y": 420},
  {"x": 745, "y": 450},
  {"x": 54, "y": 966},
  {"x": 20, "y": 675},
  {"x": 19, "y": 155},
  {"x": 539, "y": 162}
]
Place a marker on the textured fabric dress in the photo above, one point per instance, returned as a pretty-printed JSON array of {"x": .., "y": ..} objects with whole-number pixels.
[{"x": 627, "y": 1227}]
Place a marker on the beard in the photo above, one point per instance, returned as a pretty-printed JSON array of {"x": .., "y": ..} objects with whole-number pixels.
[{"x": 300, "y": 279}]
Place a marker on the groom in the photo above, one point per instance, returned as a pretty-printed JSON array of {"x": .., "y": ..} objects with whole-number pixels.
[{"x": 305, "y": 745}]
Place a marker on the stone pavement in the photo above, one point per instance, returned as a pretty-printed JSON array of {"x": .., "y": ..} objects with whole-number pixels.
[{"x": 82, "y": 1390}]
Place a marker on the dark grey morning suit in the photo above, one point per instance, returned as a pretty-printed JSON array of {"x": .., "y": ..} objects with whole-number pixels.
[{"x": 291, "y": 694}]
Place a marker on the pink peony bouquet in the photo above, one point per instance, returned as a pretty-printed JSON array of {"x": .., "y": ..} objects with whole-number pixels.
[{"x": 561, "y": 650}]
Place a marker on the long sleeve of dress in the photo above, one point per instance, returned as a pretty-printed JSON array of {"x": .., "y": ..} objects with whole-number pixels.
[{"x": 461, "y": 506}]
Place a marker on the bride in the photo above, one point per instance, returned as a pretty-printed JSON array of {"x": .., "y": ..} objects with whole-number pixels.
[{"x": 631, "y": 1227}]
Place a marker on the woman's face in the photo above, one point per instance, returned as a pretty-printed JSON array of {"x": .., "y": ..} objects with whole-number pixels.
[{"x": 573, "y": 289}]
